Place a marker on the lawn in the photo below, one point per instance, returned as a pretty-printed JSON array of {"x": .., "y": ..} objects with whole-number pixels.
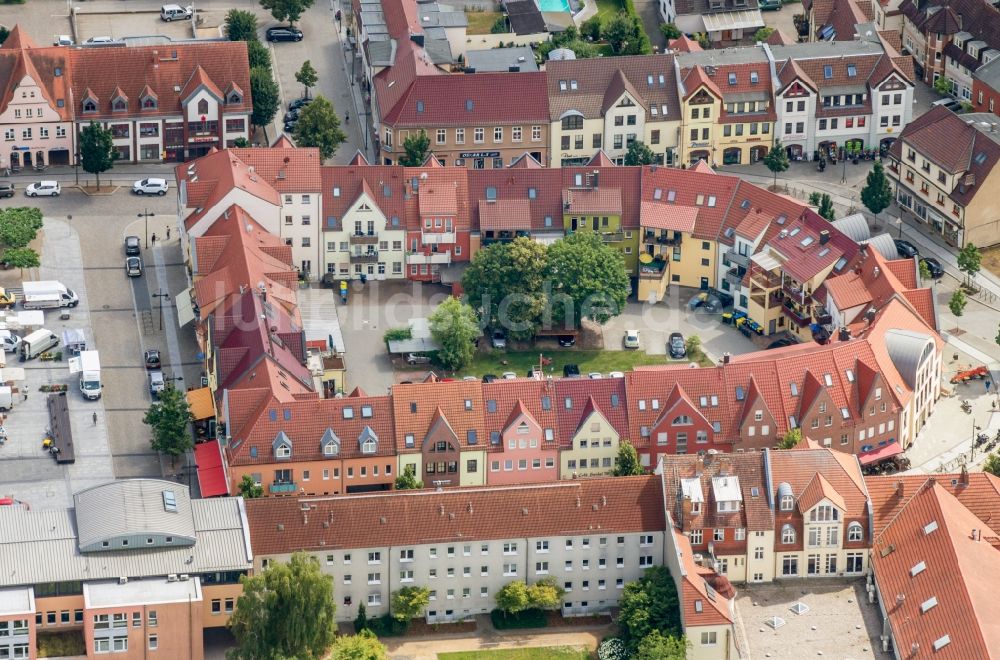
[
  {"x": 541, "y": 653},
  {"x": 497, "y": 362},
  {"x": 608, "y": 8},
  {"x": 481, "y": 22}
]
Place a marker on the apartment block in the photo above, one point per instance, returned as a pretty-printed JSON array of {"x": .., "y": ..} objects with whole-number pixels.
[{"x": 592, "y": 536}]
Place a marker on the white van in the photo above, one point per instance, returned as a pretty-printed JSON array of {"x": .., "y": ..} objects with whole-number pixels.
[
  {"x": 37, "y": 343},
  {"x": 175, "y": 12}
]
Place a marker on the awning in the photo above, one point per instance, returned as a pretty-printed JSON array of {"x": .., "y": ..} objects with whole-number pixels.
[
  {"x": 880, "y": 454},
  {"x": 733, "y": 20},
  {"x": 211, "y": 474},
  {"x": 185, "y": 311},
  {"x": 201, "y": 404}
]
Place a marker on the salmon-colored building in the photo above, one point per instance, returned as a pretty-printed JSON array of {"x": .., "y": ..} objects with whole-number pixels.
[{"x": 522, "y": 425}]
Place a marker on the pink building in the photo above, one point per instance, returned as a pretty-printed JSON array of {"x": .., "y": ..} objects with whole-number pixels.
[{"x": 522, "y": 426}]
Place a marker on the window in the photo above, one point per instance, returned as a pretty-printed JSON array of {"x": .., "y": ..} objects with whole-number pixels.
[
  {"x": 442, "y": 136},
  {"x": 709, "y": 638},
  {"x": 790, "y": 566},
  {"x": 154, "y": 642},
  {"x": 478, "y": 135},
  {"x": 696, "y": 537},
  {"x": 787, "y": 534},
  {"x": 498, "y": 134},
  {"x": 787, "y": 501},
  {"x": 855, "y": 532}
]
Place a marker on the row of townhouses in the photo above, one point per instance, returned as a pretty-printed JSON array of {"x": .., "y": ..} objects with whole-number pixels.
[
  {"x": 170, "y": 101},
  {"x": 165, "y": 575}
]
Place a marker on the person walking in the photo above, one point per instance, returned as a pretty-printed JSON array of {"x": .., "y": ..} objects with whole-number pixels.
[
  {"x": 168, "y": 232},
  {"x": 95, "y": 418},
  {"x": 153, "y": 239}
]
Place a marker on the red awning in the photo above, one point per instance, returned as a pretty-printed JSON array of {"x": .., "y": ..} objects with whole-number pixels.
[
  {"x": 211, "y": 475},
  {"x": 880, "y": 454}
]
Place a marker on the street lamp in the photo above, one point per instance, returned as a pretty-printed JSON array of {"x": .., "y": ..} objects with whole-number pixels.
[
  {"x": 160, "y": 295},
  {"x": 899, "y": 223},
  {"x": 146, "y": 215}
]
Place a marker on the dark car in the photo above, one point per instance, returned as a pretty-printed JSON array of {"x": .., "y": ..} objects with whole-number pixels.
[
  {"x": 571, "y": 371},
  {"x": 290, "y": 125},
  {"x": 282, "y": 33},
  {"x": 725, "y": 298},
  {"x": 298, "y": 104},
  {"x": 675, "y": 346},
  {"x": 705, "y": 302},
  {"x": 6, "y": 189},
  {"x": 566, "y": 341},
  {"x": 933, "y": 267},
  {"x": 785, "y": 341},
  {"x": 131, "y": 246},
  {"x": 292, "y": 115},
  {"x": 906, "y": 249},
  {"x": 151, "y": 358},
  {"x": 489, "y": 378}
]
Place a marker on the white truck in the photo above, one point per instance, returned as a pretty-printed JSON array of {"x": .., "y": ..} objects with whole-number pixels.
[
  {"x": 48, "y": 294},
  {"x": 88, "y": 365}
]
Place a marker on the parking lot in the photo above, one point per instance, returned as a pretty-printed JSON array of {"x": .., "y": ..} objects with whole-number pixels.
[{"x": 128, "y": 24}]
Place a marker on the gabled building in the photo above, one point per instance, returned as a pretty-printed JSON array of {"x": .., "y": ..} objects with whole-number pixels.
[
  {"x": 950, "y": 38},
  {"x": 522, "y": 424},
  {"x": 724, "y": 21},
  {"x": 592, "y": 423}
]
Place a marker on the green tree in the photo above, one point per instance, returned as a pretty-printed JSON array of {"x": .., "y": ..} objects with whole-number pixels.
[
  {"x": 417, "y": 147},
  {"x": 513, "y": 597},
  {"x": 762, "y": 34},
  {"x": 241, "y": 143},
  {"x": 363, "y": 646},
  {"x": 286, "y": 10},
  {"x": 409, "y": 603},
  {"x": 453, "y": 326},
  {"x": 942, "y": 86},
  {"x": 692, "y": 345},
  {"x": 546, "y": 594},
  {"x": 992, "y": 465},
  {"x": 266, "y": 97},
  {"x": 925, "y": 271},
  {"x": 168, "y": 418},
  {"x": 361, "y": 621},
  {"x": 776, "y": 160},
  {"x": 627, "y": 462},
  {"x": 826, "y": 207},
  {"x": 703, "y": 40},
  {"x": 407, "y": 480},
  {"x": 639, "y": 154},
  {"x": 568, "y": 38},
  {"x": 970, "y": 261},
  {"x": 319, "y": 126},
  {"x": 958, "y": 302},
  {"x": 259, "y": 56},
  {"x": 587, "y": 277},
  {"x": 505, "y": 282},
  {"x": 877, "y": 194},
  {"x": 19, "y": 226},
  {"x": 286, "y": 611},
  {"x": 591, "y": 28},
  {"x": 4, "y": 33},
  {"x": 626, "y": 35},
  {"x": 97, "y": 151},
  {"x": 21, "y": 257},
  {"x": 249, "y": 488},
  {"x": 791, "y": 438},
  {"x": 670, "y": 31},
  {"x": 657, "y": 646},
  {"x": 307, "y": 76},
  {"x": 241, "y": 25},
  {"x": 649, "y": 604},
  {"x": 500, "y": 25}
]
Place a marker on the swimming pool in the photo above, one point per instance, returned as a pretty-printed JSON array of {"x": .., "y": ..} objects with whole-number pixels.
[{"x": 553, "y": 5}]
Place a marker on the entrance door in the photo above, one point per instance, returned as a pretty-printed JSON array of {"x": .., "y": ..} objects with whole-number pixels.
[
  {"x": 771, "y": 327},
  {"x": 27, "y": 159},
  {"x": 704, "y": 284},
  {"x": 15, "y": 160}
]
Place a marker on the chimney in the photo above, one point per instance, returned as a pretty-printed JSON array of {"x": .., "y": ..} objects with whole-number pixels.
[
  {"x": 899, "y": 488},
  {"x": 725, "y": 467},
  {"x": 845, "y": 334},
  {"x": 685, "y": 513},
  {"x": 963, "y": 477},
  {"x": 726, "y": 357},
  {"x": 824, "y": 237}
]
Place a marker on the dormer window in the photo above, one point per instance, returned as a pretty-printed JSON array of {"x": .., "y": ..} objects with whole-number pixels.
[
  {"x": 282, "y": 451},
  {"x": 368, "y": 441},
  {"x": 282, "y": 446},
  {"x": 787, "y": 502},
  {"x": 89, "y": 106},
  {"x": 148, "y": 103},
  {"x": 119, "y": 105},
  {"x": 330, "y": 443},
  {"x": 202, "y": 107},
  {"x": 234, "y": 98}
]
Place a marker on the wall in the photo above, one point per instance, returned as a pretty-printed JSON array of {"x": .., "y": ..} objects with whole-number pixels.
[
  {"x": 301, "y": 214},
  {"x": 225, "y": 594},
  {"x": 322, "y": 477},
  {"x": 602, "y": 446}
]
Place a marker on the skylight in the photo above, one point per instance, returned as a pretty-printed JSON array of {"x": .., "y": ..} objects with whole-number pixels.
[
  {"x": 745, "y": 204},
  {"x": 807, "y": 241},
  {"x": 928, "y": 604},
  {"x": 795, "y": 389},
  {"x": 671, "y": 195},
  {"x": 918, "y": 568},
  {"x": 828, "y": 72},
  {"x": 732, "y": 78},
  {"x": 169, "y": 501},
  {"x": 658, "y": 193},
  {"x": 825, "y": 251},
  {"x": 740, "y": 393},
  {"x": 850, "y": 375},
  {"x": 828, "y": 379},
  {"x": 852, "y": 71},
  {"x": 930, "y": 527},
  {"x": 941, "y": 642},
  {"x": 753, "y": 78},
  {"x": 845, "y": 413},
  {"x": 980, "y": 158},
  {"x": 795, "y": 231}
]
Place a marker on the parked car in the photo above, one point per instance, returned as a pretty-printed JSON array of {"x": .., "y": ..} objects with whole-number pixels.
[
  {"x": 567, "y": 341},
  {"x": 63, "y": 40},
  {"x": 132, "y": 246},
  {"x": 631, "y": 339},
  {"x": 489, "y": 378},
  {"x": 289, "y": 126},
  {"x": 616, "y": 374},
  {"x": 725, "y": 298},
  {"x": 498, "y": 339},
  {"x": 298, "y": 104},
  {"x": 6, "y": 188},
  {"x": 156, "y": 383},
  {"x": 769, "y": 5},
  {"x": 571, "y": 371},
  {"x": 906, "y": 249},
  {"x": 292, "y": 116},
  {"x": 779, "y": 343},
  {"x": 416, "y": 358},
  {"x": 508, "y": 375},
  {"x": 705, "y": 302},
  {"x": 133, "y": 266},
  {"x": 151, "y": 359},
  {"x": 675, "y": 346},
  {"x": 595, "y": 375},
  {"x": 43, "y": 189},
  {"x": 949, "y": 103},
  {"x": 283, "y": 33},
  {"x": 151, "y": 186},
  {"x": 175, "y": 12},
  {"x": 934, "y": 267},
  {"x": 100, "y": 40}
]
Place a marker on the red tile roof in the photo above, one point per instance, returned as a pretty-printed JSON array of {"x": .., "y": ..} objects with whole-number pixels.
[
  {"x": 415, "y": 406},
  {"x": 977, "y": 491},
  {"x": 618, "y": 505},
  {"x": 818, "y": 490},
  {"x": 538, "y": 397},
  {"x": 214, "y": 176},
  {"x": 668, "y": 216},
  {"x": 594, "y": 200},
  {"x": 700, "y": 607},
  {"x": 505, "y": 215},
  {"x": 20, "y": 57},
  {"x": 607, "y": 394},
  {"x": 288, "y": 169},
  {"x": 755, "y": 514}
]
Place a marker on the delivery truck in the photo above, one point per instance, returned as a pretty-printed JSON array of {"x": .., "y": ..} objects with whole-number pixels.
[
  {"x": 48, "y": 294},
  {"x": 88, "y": 366},
  {"x": 37, "y": 343}
]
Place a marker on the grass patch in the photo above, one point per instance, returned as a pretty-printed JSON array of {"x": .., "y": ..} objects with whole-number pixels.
[
  {"x": 606, "y": 9},
  {"x": 54, "y": 645},
  {"x": 521, "y": 361},
  {"x": 540, "y": 653},
  {"x": 481, "y": 22},
  {"x": 532, "y": 618}
]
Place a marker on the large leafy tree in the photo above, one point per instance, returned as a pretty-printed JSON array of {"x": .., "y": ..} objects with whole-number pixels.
[
  {"x": 505, "y": 284},
  {"x": 776, "y": 160},
  {"x": 569, "y": 39},
  {"x": 266, "y": 98},
  {"x": 169, "y": 418},
  {"x": 307, "y": 76},
  {"x": 286, "y": 10},
  {"x": 363, "y": 646},
  {"x": 649, "y": 604},
  {"x": 407, "y": 480},
  {"x": 970, "y": 260},
  {"x": 626, "y": 35},
  {"x": 513, "y": 597},
  {"x": 286, "y": 611},
  {"x": 249, "y": 488},
  {"x": 19, "y": 226},
  {"x": 670, "y": 31},
  {"x": 657, "y": 646},
  {"x": 627, "y": 462},
  {"x": 417, "y": 147},
  {"x": 241, "y": 25},
  {"x": 259, "y": 56},
  {"x": 409, "y": 603},
  {"x": 791, "y": 438},
  {"x": 319, "y": 126},
  {"x": 546, "y": 594},
  {"x": 453, "y": 326},
  {"x": 97, "y": 150},
  {"x": 639, "y": 154},
  {"x": 877, "y": 194},
  {"x": 587, "y": 278},
  {"x": 22, "y": 257}
]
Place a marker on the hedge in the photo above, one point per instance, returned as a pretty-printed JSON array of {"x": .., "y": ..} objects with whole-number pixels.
[{"x": 532, "y": 618}]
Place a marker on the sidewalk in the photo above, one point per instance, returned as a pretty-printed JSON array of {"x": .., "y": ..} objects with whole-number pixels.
[{"x": 120, "y": 175}]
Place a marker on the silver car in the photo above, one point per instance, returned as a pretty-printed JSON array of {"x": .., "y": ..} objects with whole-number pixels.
[
  {"x": 43, "y": 189},
  {"x": 156, "y": 383}
]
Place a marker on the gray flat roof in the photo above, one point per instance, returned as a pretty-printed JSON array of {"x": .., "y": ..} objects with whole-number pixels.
[
  {"x": 132, "y": 506},
  {"x": 741, "y": 55},
  {"x": 500, "y": 59},
  {"x": 825, "y": 49},
  {"x": 17, "y": 600},
  {"x": 110, "y": 593}
]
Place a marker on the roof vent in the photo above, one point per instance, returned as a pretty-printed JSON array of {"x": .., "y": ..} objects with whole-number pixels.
[
  {"x": 469, "y": 508},
  {"x": 451, "y": 516},
  {"x": 382, "y": 520},
  {"x": 524, "y": 511},
  {"x": 900, "y": 599},
  {"x": 441, "y": 509},
  {"x": 281, "y": 527}
]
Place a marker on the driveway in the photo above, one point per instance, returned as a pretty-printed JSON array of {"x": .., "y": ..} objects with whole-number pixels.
[{"x": 134, "y": 23}]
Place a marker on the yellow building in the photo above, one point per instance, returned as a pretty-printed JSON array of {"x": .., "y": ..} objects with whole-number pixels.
[
  {"x": 599, "y": 210},
  {"x": 589, "y": 438},
  {"x": 667, "y": 251}
]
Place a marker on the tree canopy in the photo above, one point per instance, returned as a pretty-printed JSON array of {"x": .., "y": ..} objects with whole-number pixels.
[
  {"x": 407, "y": 480},
  {"x": 363, "y": 646},
  {"x": 97, "y": 150},
  {"x": 776, "y": 160},
  {"x": 970, "y": 260},
  {"x": 588, "y": 279},
  {"x": 627, "y": 462},
  {"x": 570, "y": 39},
  {"x": 249, "y": 488},
  {"x": 417, "y": 147},
  {"x": 670, "y": 31},
  {"x": 763, "y": 33},
  {"x": 266, "y": 98},
  {"x": 286, "y": 10},
  {"x": 504, "y": 283},
  {"x": 19, "y": 226},
  {"x": 286, "y": 611},
  {"x": 639, "y": 154},
  {"x": 546, "y": 594},
  {"x": 513, "y": 597},
  {"x": 319, "y": 126},
  {"x": 992, "y": 464},
  {"x": 258, "y": 55},
  {"x": 657, "y": 646},
  {"x": 169, "y": 417},
  {"x": 241, "y": 25},
  {"x": 626, "y": 35},
  {"x": 649, "y": 604},
  {"x": 957, "y": 302},
  {"x": 791, "y": 438},
  {"x": 877, "y": 194},
  {"x": 409, "y": 603},
  {"x": 307, "y": 76},
  {"x": 453, "y": 325}
]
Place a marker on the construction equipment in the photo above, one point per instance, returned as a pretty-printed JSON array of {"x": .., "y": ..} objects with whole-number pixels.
[{"x": 979, "y": 372}]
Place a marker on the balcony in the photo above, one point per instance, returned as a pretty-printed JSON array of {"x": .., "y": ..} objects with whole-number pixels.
[
  {"x": 763, "y": 279},
  {"x": 436, "y": 237},
  {"x": 503, "y": 236},
  {"x": 613, "y": 236},
  {"x": 282, "y": 487},
  {"x": 364, "y": 239},
  {"x": 769, "y": 301},
  {"x": 662, "y": 238},
  {"x": 796, "y": 293},
  {"x": 654, "y": 270},
  {"x": 735, "y": 278},
  {"x": 742, "y": 260},
  {"x": 432, "y": 258},
  {"x": 370, "y": 257},
  {"x": 801, "y": 319}
]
